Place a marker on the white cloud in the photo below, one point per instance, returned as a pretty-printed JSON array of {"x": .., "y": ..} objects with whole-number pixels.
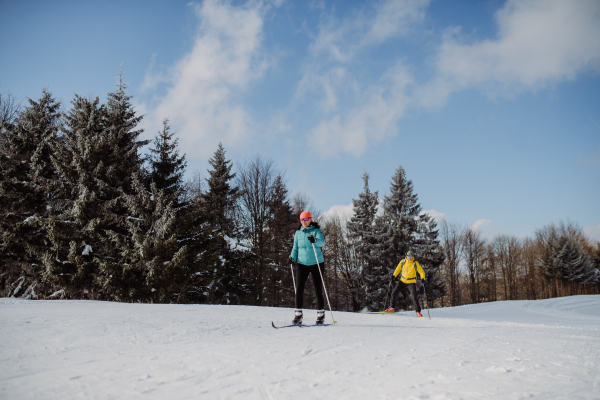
[
  {"x": 438, "y": 216},
  {"x": 480, "y": 224},
  {"x": 593, "y": 232},
  {"x": 487, "y": 228},
  {"x": 372, "y": 119},
  {"x": 394, "y": 18},
  {"x": 356, "y": 114},
  {"x": 344, "y": 212},
  {"x": 201, "y": 97},
  {"x": 342, "y": 40},
  {"x": 539, "y": 42}
]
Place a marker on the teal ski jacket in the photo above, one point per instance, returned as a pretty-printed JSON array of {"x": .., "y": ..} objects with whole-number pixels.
[{"x": 302, "y": 252}]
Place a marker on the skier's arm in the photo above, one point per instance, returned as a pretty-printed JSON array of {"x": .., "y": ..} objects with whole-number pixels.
[
  {"x": 320, "y": 238},
  {"x": 420, "y": 271},
  {"x": 294, "y": 254},
  {"x": 398, "y": 269}
]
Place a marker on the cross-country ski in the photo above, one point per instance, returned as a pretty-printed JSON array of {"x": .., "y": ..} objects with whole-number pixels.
[{"x": 297, "y": 326}]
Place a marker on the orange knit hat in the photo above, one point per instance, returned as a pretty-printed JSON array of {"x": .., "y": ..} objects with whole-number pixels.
[{"x": 306, "y": 214}]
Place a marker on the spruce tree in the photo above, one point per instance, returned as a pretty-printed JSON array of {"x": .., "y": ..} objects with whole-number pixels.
[
  {"x": 96, "y": 160},
  {"x": 431, "y": 256},
  {"x": 574, "y": 262},
  {"x": 596, "y": 263},
  {"x": 166, "y": 166},
  {"x": 281, "y": 227},
  {"x": 395, "y": 233},
  {"x": 25, "y": 197},
  {"x": 122, "y": 146},
  {"x": 225, "y": 284},
  {"x": 163, "y": 257},
  {"x": 362, "y": 239},
  {"x": 221, "y": 198},
  {"x": 71, "y": 264}
]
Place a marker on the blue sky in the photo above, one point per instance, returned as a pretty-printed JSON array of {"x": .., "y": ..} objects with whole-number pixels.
[{"x": 492, "y": 107}]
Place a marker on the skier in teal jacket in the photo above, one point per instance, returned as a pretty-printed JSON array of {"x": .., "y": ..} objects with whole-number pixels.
[{"x": 307, "y": 236}]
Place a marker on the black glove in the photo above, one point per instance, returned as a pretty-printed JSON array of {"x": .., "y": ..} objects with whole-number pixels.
[
  {"x": 292, "y": 260},
  {"x": 312, "y": 239},
  {"x": 391, "y": 277},
  {"x": 424, "y": 280}
]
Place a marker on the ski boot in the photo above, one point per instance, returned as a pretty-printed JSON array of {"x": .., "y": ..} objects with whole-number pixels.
[
  {"x": 320, "y": 317},
  {"x": 391, "y": 309},
  {"x": 297, "y": 318},
  {"x": 419, "y": 315}
]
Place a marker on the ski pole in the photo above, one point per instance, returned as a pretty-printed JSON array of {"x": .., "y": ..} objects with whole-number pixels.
[
  {"x": 293, "y": 280},
  {"x": 323, "y": 280},
  {"x": 426, "y": 303}
]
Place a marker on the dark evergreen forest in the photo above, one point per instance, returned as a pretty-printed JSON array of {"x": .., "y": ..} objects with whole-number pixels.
[{"x": 90, "y": 211}]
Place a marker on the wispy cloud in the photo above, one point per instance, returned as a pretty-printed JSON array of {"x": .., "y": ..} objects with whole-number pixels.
[
  {"x": 201, "y": 92},
  {"x": 343, "y": 212},
  {"x": 487, "y": 228},
  {"x": 438, "y": 216},
  {"x": 350, "y": 125},
  {"x": 480, "y": 224},
  {"x": 374, "y": 117},
  {"x": 539, "y": 43}
]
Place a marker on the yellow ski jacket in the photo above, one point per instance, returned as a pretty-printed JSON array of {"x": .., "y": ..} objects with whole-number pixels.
[{"x": 408, "y": 270}]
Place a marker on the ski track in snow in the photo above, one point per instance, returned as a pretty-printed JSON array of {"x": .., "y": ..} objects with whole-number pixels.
[{"x": 544, "y": 349}]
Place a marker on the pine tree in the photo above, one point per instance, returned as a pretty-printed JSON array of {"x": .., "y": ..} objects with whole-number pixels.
[
  {"x": 431, "y": 256},
  {"x": 596, "y": 263},
  {"x": 121, "y": 147},
  {"x": 166, "y": 166},
  {"x": 225, "y": 284},
  {"x": 25, "y": 171},
  {"x": 96, "y": 160},
  {"x": 205, "y": 246},
  {"x": 363, "y": 240},
  {"x": 160, "y": 268},
  {"x": 563, "y": 257},
  {"x": 395, "y": 232},
  {"x": 221, "y": 198},
  {"x": 574, "y": 262},
  {"x": 70, "y": 264},
  {"x": 281, "y": 226}
]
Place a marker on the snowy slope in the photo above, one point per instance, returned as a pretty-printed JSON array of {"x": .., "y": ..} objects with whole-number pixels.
[{"x": 548, "y": 349}]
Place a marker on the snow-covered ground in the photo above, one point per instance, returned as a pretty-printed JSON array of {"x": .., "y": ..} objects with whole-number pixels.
[{"x": 547, "y": 349}]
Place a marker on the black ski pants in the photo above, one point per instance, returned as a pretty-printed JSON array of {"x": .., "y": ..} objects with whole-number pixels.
[
  {"x": 413, "y": 291},
  {"x": 302, "y": 273}
]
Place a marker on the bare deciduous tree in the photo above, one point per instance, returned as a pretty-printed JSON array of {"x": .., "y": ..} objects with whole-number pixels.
[
  {"x": 9, "y": 111},
  {"x": 256, "y": 179},
  {"x": 507, "y": 250},
  {"x": 452, "y": 242},
  {"x": 342, "y": 266},
  {"x": 474, "y": 250}
]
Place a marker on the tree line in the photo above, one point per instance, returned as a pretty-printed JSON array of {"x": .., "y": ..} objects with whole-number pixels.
[
  {"x": 85, "y": 214},
  {"x": 558, "y": 261}
]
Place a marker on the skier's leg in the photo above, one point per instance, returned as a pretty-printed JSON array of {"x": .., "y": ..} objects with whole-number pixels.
[
  {"x": 316, "y": 277},
  {"x": 413, "y": 291},
  {"x": 395, "y": 292},
  {"x": 302, "y": 273}
]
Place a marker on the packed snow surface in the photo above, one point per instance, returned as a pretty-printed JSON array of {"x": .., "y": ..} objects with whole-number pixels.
[{"x": 544, "y": 349}]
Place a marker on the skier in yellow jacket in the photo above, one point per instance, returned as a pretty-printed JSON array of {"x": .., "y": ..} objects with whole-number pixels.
[{"x": 407, "y": 270}]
